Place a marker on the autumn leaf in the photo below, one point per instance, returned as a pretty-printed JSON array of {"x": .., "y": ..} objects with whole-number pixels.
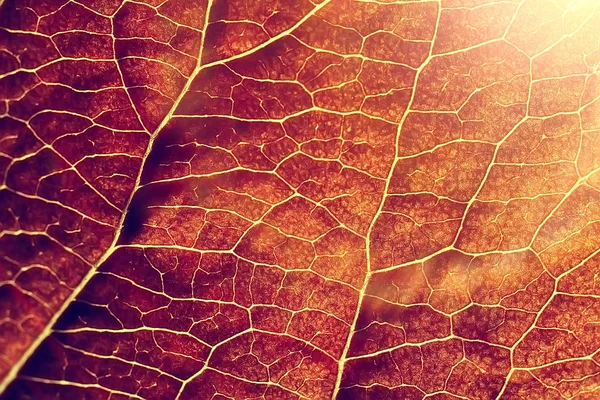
[{"x": 296, "y": 199}]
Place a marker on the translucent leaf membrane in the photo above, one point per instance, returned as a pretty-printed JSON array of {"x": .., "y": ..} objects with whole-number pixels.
[{"x": 228, "y": 199}]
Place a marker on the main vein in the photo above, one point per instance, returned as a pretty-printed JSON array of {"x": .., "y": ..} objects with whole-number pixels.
[
  {"x": 14, "y": 371},
  {"x": 361, "y": 296}
]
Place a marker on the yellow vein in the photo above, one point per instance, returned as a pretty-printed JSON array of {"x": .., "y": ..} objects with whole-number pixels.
[
  {"x": 361, "y": 296},
  {"x": 12, "y": 374}
]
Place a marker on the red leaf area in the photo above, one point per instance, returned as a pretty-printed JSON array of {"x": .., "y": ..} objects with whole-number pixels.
[{"x": 288, "y": 199}]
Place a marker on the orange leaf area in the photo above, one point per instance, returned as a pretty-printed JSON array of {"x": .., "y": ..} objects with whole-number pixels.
[{"x": 299, "y": 199}]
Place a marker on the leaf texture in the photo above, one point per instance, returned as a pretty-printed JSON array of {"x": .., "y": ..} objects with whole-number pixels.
[{"x": 293, "y": 199}]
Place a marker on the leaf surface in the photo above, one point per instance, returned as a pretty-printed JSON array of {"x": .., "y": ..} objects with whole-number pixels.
[{"x": 222, "y": 199}]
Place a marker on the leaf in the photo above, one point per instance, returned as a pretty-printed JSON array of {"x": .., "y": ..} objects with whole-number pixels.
[{"x": 209, "y": 199}]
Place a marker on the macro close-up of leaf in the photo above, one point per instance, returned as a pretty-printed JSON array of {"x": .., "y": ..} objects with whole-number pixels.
[{"x": 299, "y": 199}]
